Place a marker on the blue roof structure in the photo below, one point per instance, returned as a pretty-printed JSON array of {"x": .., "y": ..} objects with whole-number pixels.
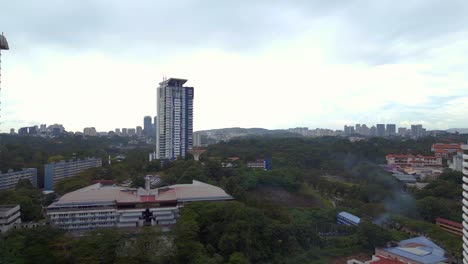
[
  {"x": 351, "y": 217},
  {"x": 419, "y": 249}
]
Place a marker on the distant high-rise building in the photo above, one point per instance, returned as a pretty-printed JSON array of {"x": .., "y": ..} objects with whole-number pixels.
[
  {"x": 465, "y": 202},
  {"x": 155, "y": 126},
  {"x": 131, "y": 131},
  {"x": 139, "y": 131},
  {"x": 174, "y": 133},
  {"x": 147, "y": 126},
  {"x": 117, "y": 131},
  {"x": 416, "y": 131},
  {"x": 373, "y": 131},
  {"x": 365, "y": 130},
  {"x": 348, "y": 130},
  {"x": 12, "y": 131},
  {"x": 89, "y": 131},
  {"x": 380, "y": 132},
  {"x": 358, "y": 129},
  {"x": 402, "y": 131},
  {"x": 124, "y": 132},
  {"x": 391, "y": 129}
]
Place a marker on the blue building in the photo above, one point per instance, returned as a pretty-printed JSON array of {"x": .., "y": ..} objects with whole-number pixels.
[
  {"x": 54, "y": 172},
  {"x": 345, "y": 218},
  {"x": 415, "y": 250}
]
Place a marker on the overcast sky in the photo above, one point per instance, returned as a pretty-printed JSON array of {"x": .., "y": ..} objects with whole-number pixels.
[{"x": 271, "y": 64}]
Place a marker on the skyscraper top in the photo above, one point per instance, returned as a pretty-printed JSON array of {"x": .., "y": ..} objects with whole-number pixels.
[
  {"x": 173, "y": 82},
  {"x": 3, "y": 42}
]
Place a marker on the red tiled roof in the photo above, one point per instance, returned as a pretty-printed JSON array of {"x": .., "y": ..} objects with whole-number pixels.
[
  {"x": 446, "y": 146},
  {"x": 147, "y": 198},
  {"x": 448, "y": 222}
]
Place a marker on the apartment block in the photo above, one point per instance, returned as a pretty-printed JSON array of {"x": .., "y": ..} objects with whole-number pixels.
[
  {"x": 54, "y": 172},
  {"x": 10, "y": 179}
]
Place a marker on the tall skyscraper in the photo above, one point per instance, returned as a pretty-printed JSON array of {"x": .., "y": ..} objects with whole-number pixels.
[
  {"x": 465, "y": 203},
  {"x": 380, "y": 130},
  {"x": 174, "y": 133},
  {"x": 391, "y": 129},
  {"x": 147, "y": 126},
  {"x": 416, "y": 131}
]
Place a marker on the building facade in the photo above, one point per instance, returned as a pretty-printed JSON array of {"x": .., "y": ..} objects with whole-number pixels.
[
  {"x": 10, "y": 179},
  {"x": 465, "y": 203},
  {"x": 174, "y": 133},
  {"x": 54, "y": 172},
  {"x": 147, "y": 126},
  {"x": 100, "y": 206},
  {"x": 9, "y": 216},
  {"x": 391, "y": 129},
  {"x": 413, "y": 160},
  {"x": 380, "y": 130}
]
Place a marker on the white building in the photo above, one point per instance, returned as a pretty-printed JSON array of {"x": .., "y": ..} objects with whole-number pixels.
[
  {"x": 9, "y": 216},
  {"x": 174, "y": 132},
  {"x": 100, "y": 206},
  {"x": 413, "y": 160},
  {"x": 10, "y": 179},
  {"x": 456, "y": 163},
  {"x": 465, "y": 203}
]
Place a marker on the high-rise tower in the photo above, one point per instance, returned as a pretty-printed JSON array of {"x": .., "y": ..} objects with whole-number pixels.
[
  {"x": 465, "y": 203},
  {"x": 3, "y": 46},
  {"x": 147, "y": 126},
  {"x": 174, "y": 131}
]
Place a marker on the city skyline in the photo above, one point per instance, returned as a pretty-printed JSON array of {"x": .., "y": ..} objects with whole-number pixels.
[{"x": 404, "y": 69}]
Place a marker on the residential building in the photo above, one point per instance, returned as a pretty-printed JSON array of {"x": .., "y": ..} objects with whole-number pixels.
[
  {"x": 358, "y": 129},
  {"x": 456, "y": 163},
  {"x": 390, "y": 130},
  {"x": 402, "y": 131},
  {"x": 263, "y": 164},
  {"x": 107, "y": 206},
  {"x": 345, "y": 218},
  {"x": 373, "y": 131},
  {"x": 10, "y": 179},
  {"x": 10, "y": 215},
  {"x": 413, "y": 160},
  {"x": 147, "y": 127},
  {"x": 117, "y": 131},
  {"x": 54, "y": 172},
  {"x": 418, "y": 250},
  {"x": 139, "y": 131},
  {"x": 131, "y": 131},
  {"x": 465, "y": 203},
  {"x": 380, "y": 131},
  {"x": 417, "y": 131},
  {"x": 124, "y": 132},
  {"x": 12, "y": 131},
  {"x": 174, "y": 133},
  {"x": 446, "y": 151},
  {"x": 348, "y": 130},
  {"x": 303, "y": 131},
  {"x": 450, "y": 226},
  {"x": 89, "y": 131},
  {"x": 365, "y": 130}
]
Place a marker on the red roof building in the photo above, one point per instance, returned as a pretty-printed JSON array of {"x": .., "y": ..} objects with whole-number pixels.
[{"x": 450, "y": 226}]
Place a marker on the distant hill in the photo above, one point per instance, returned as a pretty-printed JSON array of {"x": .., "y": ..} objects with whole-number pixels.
[{"x": 459, "y": 130}]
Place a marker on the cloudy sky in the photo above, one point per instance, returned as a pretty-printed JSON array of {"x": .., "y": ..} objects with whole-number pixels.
[{"x": 271, "y": 64}]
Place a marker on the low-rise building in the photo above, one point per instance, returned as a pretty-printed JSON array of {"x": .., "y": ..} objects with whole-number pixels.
[
  {"x": 345, "y": 218},
  {"x": 413, "y": 160},
  {"x": 10, "y": 215},
  {"x": 263, "y": 164},
  {"x": 446, "y": 151},
  {"x": 103, "y": 206},
  {"x": 450, "y": 226},
  {"x": 10, "y": 179},
  {"x": 418, "y": 250},
  {"x": 54, "y": 172},
  {"x": 456, "y": 163}
]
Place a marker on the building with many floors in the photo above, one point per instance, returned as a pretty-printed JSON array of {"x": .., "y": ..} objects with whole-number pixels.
[
  {"x": 174, "y": 133},
  {"x": 262, "y": 164},
  {"x": 10, "y": 215},
  {"x": 54, "y": 172},
  {"x": 413, "y": 160},
  {"x": 101, "y": 206},
  {"x": 10, "y": 179},
  {"x": 465, "y": 203}
]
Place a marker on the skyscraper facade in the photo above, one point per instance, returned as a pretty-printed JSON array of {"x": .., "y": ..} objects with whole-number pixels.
[
  {"x": 174, "y": 130},
  {"x": 465, "y": 203},
  {"x": 147, "y": 126},
  {"x": 380, "y": 130},
  {"x": 391, "y": 129}
]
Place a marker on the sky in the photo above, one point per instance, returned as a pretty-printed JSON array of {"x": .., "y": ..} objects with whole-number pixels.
[{"x": 270, "y": 64}]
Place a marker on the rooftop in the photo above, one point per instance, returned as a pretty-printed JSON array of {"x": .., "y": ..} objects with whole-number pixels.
[
  {"x": 105, "y": 194},
  {"x": 448, "y": 222},
  {"x": 419, "y": 249},
  {"x": 173, "y": 82},
  {"x": 350, "y": 217}
]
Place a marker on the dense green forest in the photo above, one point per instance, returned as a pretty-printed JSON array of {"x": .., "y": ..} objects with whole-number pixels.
[{"x": 279, "y": 216}]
